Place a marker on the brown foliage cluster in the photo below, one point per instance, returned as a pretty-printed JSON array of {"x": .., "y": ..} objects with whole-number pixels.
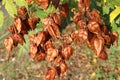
[
  {"x": 92, "y": 30},
  {"x": 21, "y": 25},
  {"x": 41, "y": 46}
]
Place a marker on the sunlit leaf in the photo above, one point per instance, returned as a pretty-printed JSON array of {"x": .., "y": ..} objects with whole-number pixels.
[
  {"x": 114, "y": 13},
  {"x": 11, "y": 8},
  {"x": 1, "y": 19}
]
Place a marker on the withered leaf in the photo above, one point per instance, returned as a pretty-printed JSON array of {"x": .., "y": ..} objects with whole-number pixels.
[
  {"x": 67, "y": 51},
  {"x": 17, "y": 38},
  {"x": 81, "y": 6},
  {"x": 12, "y": 29},
  {"x": 62, "y": 68},
  {"x": 8, "y": 42},
  {"x": 107, "y": 40},
  {"x": 50, "y": 74},
  {"x": 41, "y": 56},
  {"x": 53, "y": 30},
  {"x": 94, "y": 16},
  {"x": 22, "y": 11},
  {"x": 33, "y": 21},
  {"x": 57, "y": 60},
  {"x": 41, "y": 37},
  {"x": 94, "y": 27},
  {"x": 114, "y": 37},
  {"x": 51, "y": 54},
  {"x": 55, "y": 27},
  {"x": 48, "y": 45},
  {"x": 48, "y": 21},
  {"x": 98, "y": 45},
  {"x": 19, "y": 25},
  {"x": 81, "y": 24},
  {"x": 33, "y": 51},
  {"x": 64, "y": 9},
  {"x": 43, "y": 3},
  {"x": 67, "y": 39},
  {"x": 77, "y": 16},
  {"x": 87, "y": 5},
  {"x": 57, "y": 18},
  {"x": 55, "y": 3},
  {"x": 103, "y": 55},
  {"x": 80, "y": 36}
]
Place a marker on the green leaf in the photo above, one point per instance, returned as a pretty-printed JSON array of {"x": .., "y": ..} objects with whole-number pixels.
[
  {"x": 39, "y": 26},
  {"x": 114, "y": 13},
  {"x": 21, "y": 3},
  {"x": 1, "y": 19},
  {"x": 41, "y": 14},
  {"x": 11, "y": 8},
  {"x": 114, "y": 26},
  {"x": 105, "y": 10}
]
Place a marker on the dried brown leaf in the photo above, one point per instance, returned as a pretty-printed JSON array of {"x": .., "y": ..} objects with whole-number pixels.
[
  {"x": 8, "y": 42},
  {"x": 94, "y": 27},
  {"x": 43, "y": 3},
  {"x": 50, "y": 74},
  {"x": 33, "y": 51},
  {"x": 64, "y": 9},
  {"x": 98, "y": 45},
  {"x": 67, "y": 51}
]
